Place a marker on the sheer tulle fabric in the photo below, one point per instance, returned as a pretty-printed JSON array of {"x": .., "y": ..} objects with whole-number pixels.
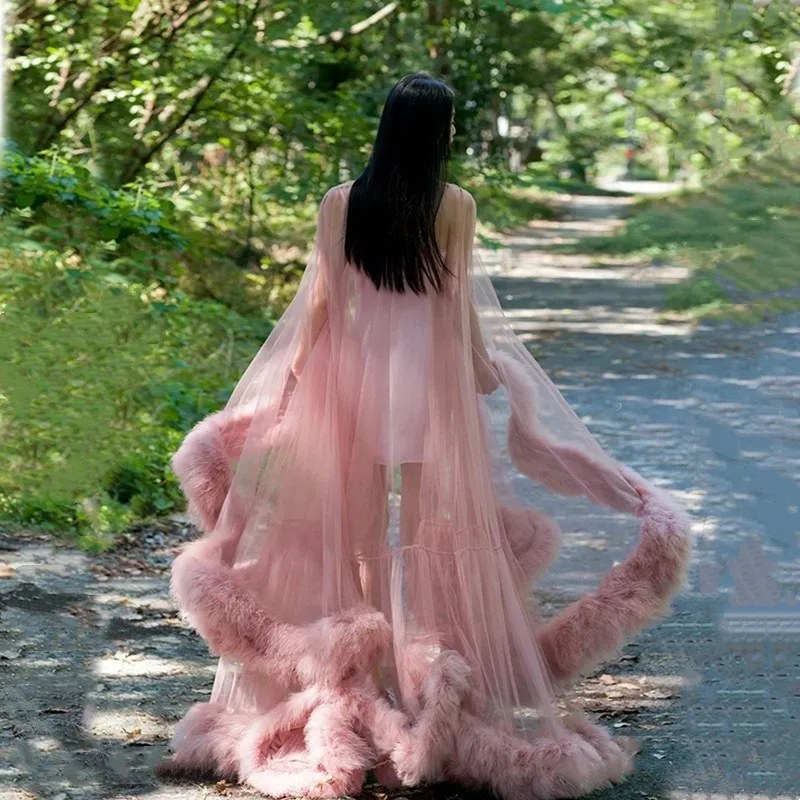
[
  {"x": 371, "y": 476},
  {"x": 372, "y": 467}
]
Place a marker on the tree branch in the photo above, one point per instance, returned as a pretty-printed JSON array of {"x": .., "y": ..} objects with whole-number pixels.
[
  {"x": 723, "y": 121},
  {"x": 551, "y": 101},
  {"x": 665, "y": 121},
  {"x": 752, "y": 90},
  {"x": 52, "y": 125},
  {"x": 791, "y": 77},
  {"x": 22, "y": 13},
  {"x": 337, "y": 36},
  {"x": 48, "y": 134},
  {"x": 138, "y": 162}
]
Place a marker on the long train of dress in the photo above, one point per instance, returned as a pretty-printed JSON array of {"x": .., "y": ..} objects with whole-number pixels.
[{"x": 366, "y": 568}]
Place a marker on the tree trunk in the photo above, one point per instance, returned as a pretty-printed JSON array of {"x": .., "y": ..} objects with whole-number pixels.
[{"x": 438, "y": 13}]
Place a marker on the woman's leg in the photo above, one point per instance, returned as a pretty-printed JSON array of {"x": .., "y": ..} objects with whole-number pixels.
[
  {"x": 372, "y": 556},
  {"x": 411, "y": 476}
]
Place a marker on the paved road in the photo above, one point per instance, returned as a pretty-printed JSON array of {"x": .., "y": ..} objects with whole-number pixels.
[
  {"x": 713, "y": 414},
  {"x": 95, "y": 668}
]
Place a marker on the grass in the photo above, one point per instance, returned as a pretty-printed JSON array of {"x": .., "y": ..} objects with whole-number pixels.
[
  {"x": 552, "y": 185},
  {"x": 101, "y": 374},
  {"x": 750, "y": 313},
  {"x": 119, "y": 329},
  {"x": 740, "y": 239}
]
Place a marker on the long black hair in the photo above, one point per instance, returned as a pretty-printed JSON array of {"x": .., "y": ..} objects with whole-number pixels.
[{"x": 393, "y": 203}]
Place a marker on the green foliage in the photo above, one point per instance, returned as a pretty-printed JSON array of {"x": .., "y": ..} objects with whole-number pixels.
[
  {"x": 740, "y": 236},
  {"x": 103, "y": 368},
  {"x": 698, "y": 292},
  {"x": 505, "y": 200},
  {"x": 234, "y": 107},
  {"x": 50, "y": 184}
]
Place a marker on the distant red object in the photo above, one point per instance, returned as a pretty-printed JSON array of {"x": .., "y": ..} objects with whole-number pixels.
[{"x": 629, "y": 153}]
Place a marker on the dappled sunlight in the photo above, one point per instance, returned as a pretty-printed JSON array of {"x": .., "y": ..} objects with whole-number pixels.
[
  {"x": 692, "y": 498},
  {"x": 125, "y": 725},
  {"x": 632, "y": 691},
  {"x": 641, "y": 187},
  {"x": 631, "y": 322},
  {"x": 566, "y": 268},
  {"x": 677, "y": 402},
  {"x": 135, "y": 665},
  {"x": 154, "y": 602},
  {"x": 596, "y": 314},
  {"x": 45, "y": 663},
  {"x": 101, "y": 671},
  {"x": 706, "y": 529},
  {"x": 548, "y": 265}
]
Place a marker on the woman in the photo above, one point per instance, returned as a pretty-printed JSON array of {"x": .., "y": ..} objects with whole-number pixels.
[{"x": 367, "y": 475}]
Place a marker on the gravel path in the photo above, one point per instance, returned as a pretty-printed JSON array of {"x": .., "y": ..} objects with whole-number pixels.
[{"x": 95, "y": 668}]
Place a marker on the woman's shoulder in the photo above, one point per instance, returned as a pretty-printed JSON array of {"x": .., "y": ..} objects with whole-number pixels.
[
  {"x": 334, "y": 201},
  {"x": 459, "y": 195},
  {"x": 340, "y": 190}
]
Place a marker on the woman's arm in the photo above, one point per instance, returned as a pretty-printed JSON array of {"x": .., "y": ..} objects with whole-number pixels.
[
  {"x": 316, "y": 312},
  {"x": 486, "y": 378},
  {"x": 315, "y": 322}
]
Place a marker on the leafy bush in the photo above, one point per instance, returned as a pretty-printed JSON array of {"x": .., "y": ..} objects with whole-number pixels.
[
  {"x": 107, "y": 358},
  {"x": 68, "y": 186},
  {"x": 694, "y": 293},
  {"x": 505, "y": 200}
]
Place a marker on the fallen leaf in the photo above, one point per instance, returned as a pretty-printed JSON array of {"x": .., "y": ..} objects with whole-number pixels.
[
  {"x": 6, "y": 571},
  {"x": 133, "y": 733}
]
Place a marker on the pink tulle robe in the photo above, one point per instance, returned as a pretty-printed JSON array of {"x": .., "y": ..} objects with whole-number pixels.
[{"x": 362, "y": 463}]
